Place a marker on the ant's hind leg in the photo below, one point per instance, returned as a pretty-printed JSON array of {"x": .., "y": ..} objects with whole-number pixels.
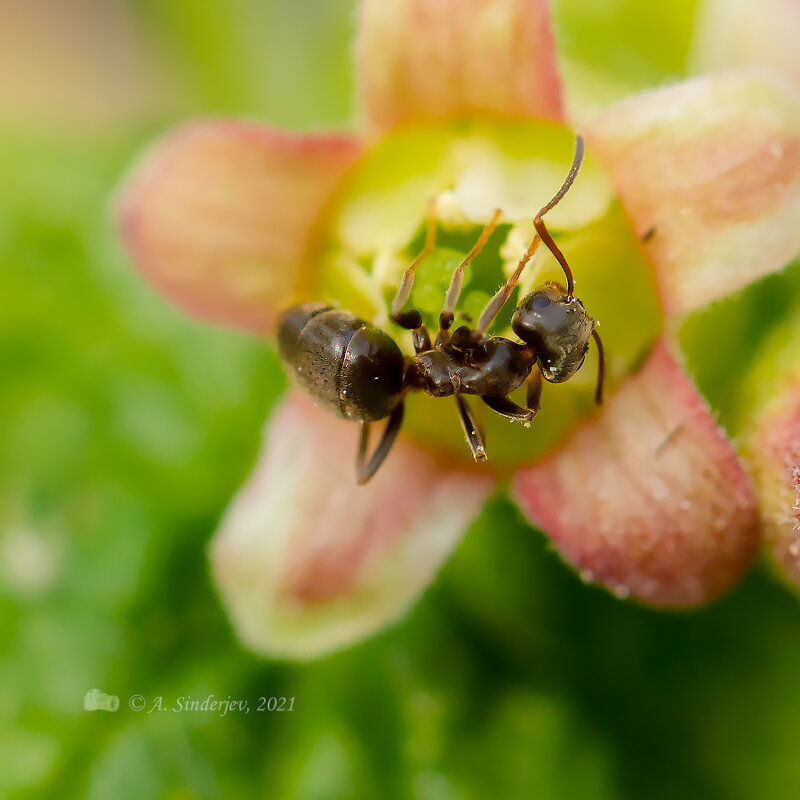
[
  {"x": 534, "y": 390},
  {"x": 509, "y": 409},
  {"x": 365, "y": 469},
  {"x": 471, "y": 430},
  {"x": 412, "y": 319}
]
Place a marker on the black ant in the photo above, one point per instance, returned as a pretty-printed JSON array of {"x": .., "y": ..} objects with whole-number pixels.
[{"x": 357, "y": 370}]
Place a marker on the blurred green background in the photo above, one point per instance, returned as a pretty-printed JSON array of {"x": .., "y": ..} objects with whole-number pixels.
[{"x": 127, "y": 427}]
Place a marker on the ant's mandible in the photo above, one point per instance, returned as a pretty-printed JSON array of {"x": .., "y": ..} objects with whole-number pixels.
[{"x": 357, "y": 371}]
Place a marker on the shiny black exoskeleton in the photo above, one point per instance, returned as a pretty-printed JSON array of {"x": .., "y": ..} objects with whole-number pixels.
[
  {"x": 358, "y": 372},
  {"x": 493, "y": 368},
  {"x": 557, "y": 328},
  {"x": 348, "y": 366}
]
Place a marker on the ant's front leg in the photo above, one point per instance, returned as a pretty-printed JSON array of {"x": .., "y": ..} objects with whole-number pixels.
[
  {"x": 509, "y": 409},
  {"x": 534, "y": 390}
]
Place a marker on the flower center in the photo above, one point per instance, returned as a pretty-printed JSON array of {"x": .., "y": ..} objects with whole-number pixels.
[{"x": 464, "y": 171}]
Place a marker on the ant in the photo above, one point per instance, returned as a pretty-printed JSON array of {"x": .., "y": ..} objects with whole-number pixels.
[{"x": 358, "y": 372}]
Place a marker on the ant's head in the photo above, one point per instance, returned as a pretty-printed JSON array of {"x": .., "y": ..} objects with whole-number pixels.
[{"x": 557, "y": 327}]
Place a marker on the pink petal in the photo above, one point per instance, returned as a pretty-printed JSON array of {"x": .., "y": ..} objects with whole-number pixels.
[
  {"x": 772, "y": 445},
  {"x": 437, "y": 58},
  {"x": 712, "y": 167},
  {"x": 306, "y": 561},
  {"x": 220, "y": 216},
  {"x": 742, "y": 33},
  {"x": 649, "y": 498}
]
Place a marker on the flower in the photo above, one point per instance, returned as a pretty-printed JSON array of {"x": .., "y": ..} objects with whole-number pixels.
[
  {"x": 234, "y": 221},
  {"x": 769, "y": 429}
]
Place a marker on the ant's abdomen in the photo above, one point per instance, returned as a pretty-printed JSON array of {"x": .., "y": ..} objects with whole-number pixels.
[{"x": 343, "y": 363}]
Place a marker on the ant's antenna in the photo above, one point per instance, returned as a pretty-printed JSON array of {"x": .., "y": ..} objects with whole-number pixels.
[
  {"x": 577, "y": 160},
  {"x": 492, "y": 308},
  {"x": 601, "y": 369},
  {"x": 538, "y": 222}
]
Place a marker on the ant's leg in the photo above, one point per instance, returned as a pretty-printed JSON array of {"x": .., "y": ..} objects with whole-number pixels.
[
  {"x": 471, "y": 430},
  {"x": 422, "y": 339},
  {"x": 363, "y": 441},
  {"x": 534, "y": 391},
  {"x": 492, "y": 308},
  {"x": 366, "y": 469},
  {"x": 412, "y": 319},
  {"x": 509, "y": 409},
  {"x": 601, "y": 368},
  {"x": 456, "y": 282}
]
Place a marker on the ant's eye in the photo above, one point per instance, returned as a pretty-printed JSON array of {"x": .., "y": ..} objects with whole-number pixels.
[{"x": 540, "y": 302}]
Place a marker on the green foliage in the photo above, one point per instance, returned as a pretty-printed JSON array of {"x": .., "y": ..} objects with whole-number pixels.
[
  {"x": 755, "y": 326},
  {"x": 620, "y": 46}
]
